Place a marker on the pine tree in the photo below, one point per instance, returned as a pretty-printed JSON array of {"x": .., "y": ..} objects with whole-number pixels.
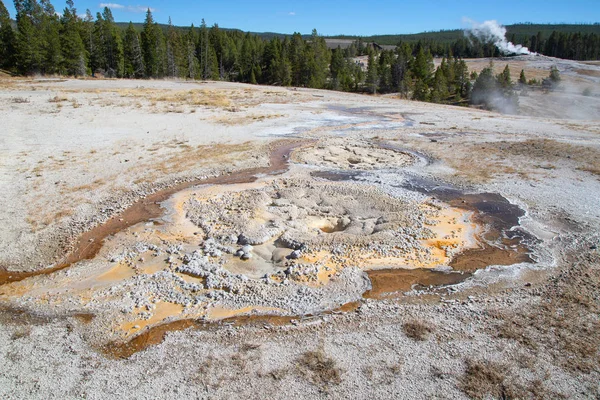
[
  {"x": 495, "y": 93},
  {"x": 30, "y": 55},
  {"x": 484, "y": 87},
  {"x": 554, "y": 74},
  {"x": 462, "y": 81},
  {"x": 372, "y": 77},
  {"x": 149, "y": 50},
  {"x": 422, "y": 70},
  {"x": 522, "y": 78},
  {"x": 321, "y": 59},
  {"x": 73, "y": 50},
  {"x": 50, "y": 34},
  {"x": 296, "y": 47},
  {"x": 191, "y": 60},
  {"x": 209, "y": 65},
  {"x": 173, "y": 54},
  {"x": 421, "y": 91},
  {"x": 8, "y": 40},
  {"x": 337, "y": 68},
  {"x": 401, "y": 76},
  {"x": 88, "y": 38},
  {"x": 161, "y": 52},
  {"x": 423, "y": 66},
  {"x": 504, "y": 78},
  {"x": 439, "y": 92},
  {"x": 132, "y": 52},
  {"x": 110, "y": 44}
]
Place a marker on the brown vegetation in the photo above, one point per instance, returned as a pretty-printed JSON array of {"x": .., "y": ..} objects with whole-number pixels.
[
  {"x": 58, "y": 99},
  {"x": 482, "y": 162},
  {"x": 202, "y": 97},
  {"x": 565, "y": 323},
  {"x": 320, "y": 369},
  {"x": 483, "y": 379},
  {"x": 417, "y": 330}
]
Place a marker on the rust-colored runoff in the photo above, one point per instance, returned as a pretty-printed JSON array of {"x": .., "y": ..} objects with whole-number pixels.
[{"x": 90, "y": 242}]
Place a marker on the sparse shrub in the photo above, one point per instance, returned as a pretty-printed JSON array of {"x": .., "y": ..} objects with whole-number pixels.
[
  {"x": 417, "y": 330},
  {"x": 319, "y": 368},
  {"x": 587, "y": 91},
  {"x": 483, "y": 379},
  {"x": 57, "y": 99},
  {"x": 19, "y": 100}
]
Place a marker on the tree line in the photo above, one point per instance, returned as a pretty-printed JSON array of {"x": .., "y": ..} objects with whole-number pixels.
[
  {"x": 575, "y": 42},
  {"x": 44, "y": 42}
]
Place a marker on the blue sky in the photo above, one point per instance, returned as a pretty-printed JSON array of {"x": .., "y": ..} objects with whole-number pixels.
[{"x": 331, "y": 17}]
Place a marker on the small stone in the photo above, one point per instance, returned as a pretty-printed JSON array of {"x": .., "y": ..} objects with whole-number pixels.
[
  {"x": 294, "y": 255},
  {"x": 246, "y": 256},
  {"x": 243, "y": 239}
]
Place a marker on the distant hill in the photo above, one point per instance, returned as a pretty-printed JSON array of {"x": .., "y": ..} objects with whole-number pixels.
[
  {"x": 522, "y": 32},
  {"x": 139, "y": 26}
]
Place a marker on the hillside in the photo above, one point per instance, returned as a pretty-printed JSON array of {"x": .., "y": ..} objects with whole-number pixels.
[{"x": 521, "y": 31}]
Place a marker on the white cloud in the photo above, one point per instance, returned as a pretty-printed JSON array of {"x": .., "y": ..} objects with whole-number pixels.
[
  {"x": 111, "y": 5},
  {"x": 134, "y": 9},
  {"x": 292, "y": 13},
  {"x": 140, "y": 9}
]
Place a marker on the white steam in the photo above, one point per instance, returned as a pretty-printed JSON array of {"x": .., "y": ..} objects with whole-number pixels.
[{"x": 492, "y": 31}]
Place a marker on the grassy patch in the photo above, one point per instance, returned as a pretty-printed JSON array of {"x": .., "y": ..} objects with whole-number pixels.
[
  {"x": 202, "y": 97},
  {"x": 319, "y": 369},
  {"x": 565, "y": 324},
  {"x": 483, "y": 379},
  {"x": 19, "y": 100},
  {"x": 58, "y": 99},
  {"x": 417, "y": 330}
]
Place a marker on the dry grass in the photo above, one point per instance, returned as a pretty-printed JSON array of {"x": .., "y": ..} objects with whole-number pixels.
[
  {"x": 87, "y": 187},
  {"x": 319, "y": 369},
  {"x": 244, "y": 119},
  {"x": 482, "y": 162},
  {"x": 201, "y": 97},
  {"x": 58, "y": 99},
  {"x": 566, "y": 324},
  {"x": 46, "y": 218},
  {"x": 588, "y": 72},
  {"x": 483, "y": 379},
  {"x": 417, "y": 330},
  {"x": 531, "y": 72},
  {"x": 188, "y": 157},
  {"x": 19, "y": 100}
]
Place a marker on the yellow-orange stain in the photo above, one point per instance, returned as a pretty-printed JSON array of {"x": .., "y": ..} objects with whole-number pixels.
[
  {"x": 219, "y": 313},
  {"x": 162, "y": 311}
]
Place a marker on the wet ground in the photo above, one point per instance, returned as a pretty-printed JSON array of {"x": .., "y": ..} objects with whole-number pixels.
[{"x": 501, "y": 242}]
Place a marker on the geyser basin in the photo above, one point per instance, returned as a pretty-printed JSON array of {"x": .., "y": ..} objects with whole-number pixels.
[{"x": 276, "y": 248}]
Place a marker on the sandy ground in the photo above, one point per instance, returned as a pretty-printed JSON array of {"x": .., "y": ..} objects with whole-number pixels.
[{"x": 75, "y": 153}]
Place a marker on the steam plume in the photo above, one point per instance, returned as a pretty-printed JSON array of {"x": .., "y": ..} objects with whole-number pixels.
[{"x": 492, "y": 31}]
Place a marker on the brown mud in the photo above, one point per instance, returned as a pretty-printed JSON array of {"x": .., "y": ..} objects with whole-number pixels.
[
  {"x": 156, "y": 334},
  {"x": 390, "y": 283},
  {"x": 90, "y": 242}
]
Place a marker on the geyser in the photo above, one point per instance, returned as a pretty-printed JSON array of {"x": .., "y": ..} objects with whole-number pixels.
[{"x": 492, "y": 31}]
